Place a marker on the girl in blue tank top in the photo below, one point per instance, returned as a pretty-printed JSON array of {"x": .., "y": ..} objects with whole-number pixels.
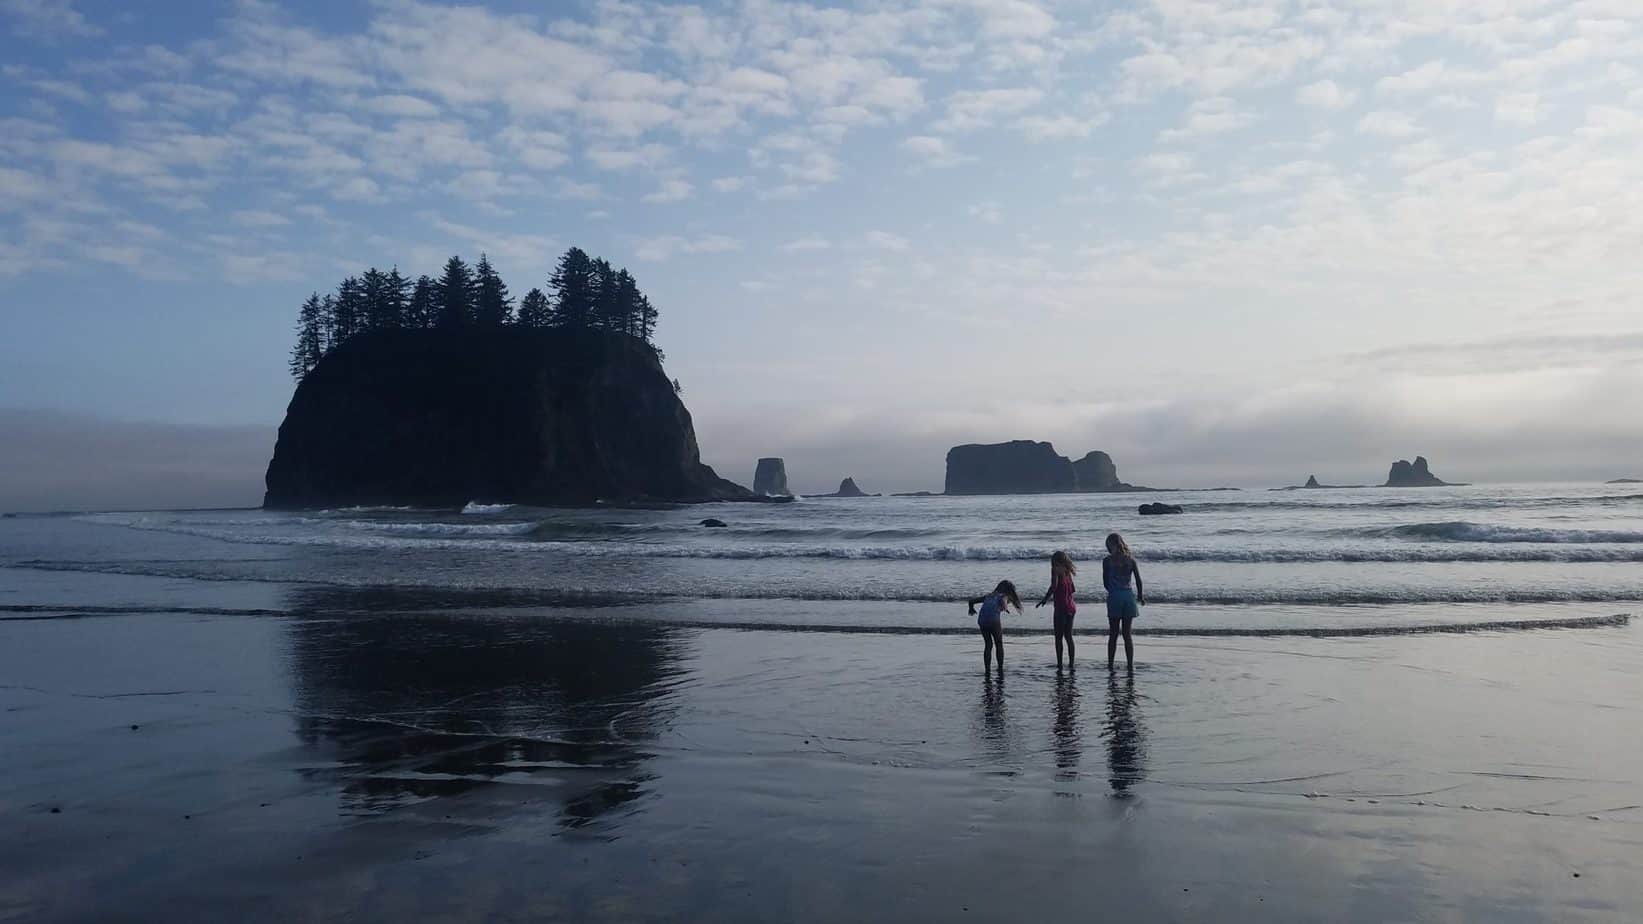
[{"x": 991, "y": 621}]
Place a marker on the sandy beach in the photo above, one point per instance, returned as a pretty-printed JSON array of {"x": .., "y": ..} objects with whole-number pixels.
[{"x": 360, "y": 762}]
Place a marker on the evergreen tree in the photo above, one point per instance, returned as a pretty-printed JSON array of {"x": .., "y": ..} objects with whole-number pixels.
[
  {"x": 456, "y": 295},
  {"x": 310, "y": 344},
  {"x": 607, "y": 313},
  {"x": 573, "y": 290},
  {"x": 347, "y": 311},
  {"x": 492, "y": 306},
  {"x": 534, "y": 310},
  {"x": 420, "y": 311},
  {"x": 396, "y": 293},
  {"x": 373, "y": 297},
  {"x": 328, "y": 323},
  {"x": 647, "y": 321},
  {"x": 629, "y": 301}
]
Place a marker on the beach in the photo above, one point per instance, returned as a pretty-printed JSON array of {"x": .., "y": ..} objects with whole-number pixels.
[{"x": 199, "y": 728}]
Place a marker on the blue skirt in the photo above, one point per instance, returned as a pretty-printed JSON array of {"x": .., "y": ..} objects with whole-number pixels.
[{"x": 1121, "y": 604}]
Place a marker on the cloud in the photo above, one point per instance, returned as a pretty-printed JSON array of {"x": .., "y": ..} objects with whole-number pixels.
[
  {"x": 656, "y": 249},
  {"x": 884, "y": 240},
  {"x": 1518, "y": 108},
  {"x": 731, "y": 183},
  {"x": 48, "y": 19},
  {"x": 932, "y": 151},
  {"x": 806, "y": 244},
  {"x": 1061, "y": 128},
  {"x": 1325, "y": 94},
  {"x": 672, "y": 190},
  {"x": 1212, "y": 116},
  {"x": 1387, "y": 124},
  {"x": 969, "y": 110},
  {"x": 259, "y": 218}
]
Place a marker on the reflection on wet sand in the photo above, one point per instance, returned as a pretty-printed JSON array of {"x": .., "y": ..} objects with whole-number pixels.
[
  {"x": 993, "y": 727},
  {"x": 413, "y": 707},
  {"x": 1126, "y": 736},
  {"x": 1069, "y": 745}
]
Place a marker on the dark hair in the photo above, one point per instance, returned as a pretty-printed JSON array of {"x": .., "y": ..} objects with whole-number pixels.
[{"x": 1008, "y": 590}]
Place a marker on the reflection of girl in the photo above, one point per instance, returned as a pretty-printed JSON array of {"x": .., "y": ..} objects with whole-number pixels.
[
  {"x": 991, "y": 620},
  {"x": 1122, "y": 602},
  {"x": 1061, "y": 590}
]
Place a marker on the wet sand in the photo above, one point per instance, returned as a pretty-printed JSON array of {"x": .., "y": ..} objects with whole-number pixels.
[{"x": 331, "y": 763}]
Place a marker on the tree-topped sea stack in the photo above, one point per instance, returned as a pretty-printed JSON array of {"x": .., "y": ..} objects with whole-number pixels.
[
  {"x": 1418, "y": 474},
  {"x": 436, "y": 393}
]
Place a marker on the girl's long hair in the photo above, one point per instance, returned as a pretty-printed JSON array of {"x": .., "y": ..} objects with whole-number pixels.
[
  {"x": 1117, "y": 546},
  {"x": 1063, "y": 563},
  {"x": 1007, "y": 589}
]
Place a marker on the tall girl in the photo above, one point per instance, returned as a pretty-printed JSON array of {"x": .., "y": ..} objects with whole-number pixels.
[{"x": 1122, "y": 602}]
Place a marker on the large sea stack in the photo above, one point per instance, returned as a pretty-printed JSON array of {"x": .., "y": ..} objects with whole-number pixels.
[
  {"x": 1026, "y": 467},
  {"x": 510, "y": 415},
  {"x": 770, "y": 478},
  {"x": 1405, "y": 474}
]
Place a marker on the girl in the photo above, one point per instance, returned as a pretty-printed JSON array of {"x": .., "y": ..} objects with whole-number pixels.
[
  {"x": 991, "y": 621},
  {"x": 1122, "y": 602},
  {"x": 1061, "y": 590}
]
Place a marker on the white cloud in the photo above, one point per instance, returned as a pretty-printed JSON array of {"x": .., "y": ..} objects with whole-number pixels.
[
  {"x": 671, "y": 190},
  {"x": 806, "y": 244},
  {"x": 1061, "y": 128},
  {"x": 969, "y": 110},
  {"x": 48, "y": 19},
  {"x": 1325, "y": 94},
  {"x": 884, "y": 240},
  {"x": 731, "y": 183},
  {"x": 259, "y": 218},
  {"x": 1387, "y": 124},
  {"x": 1518, "y": 108},
  {"x": 662, "y": 248},
  {"x": 932, "y": 151},
  {"x": 1212, "y": 116}
]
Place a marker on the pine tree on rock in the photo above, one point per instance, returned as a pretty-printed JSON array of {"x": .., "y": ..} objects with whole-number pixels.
[
  {"x": 347, "y": 314},
  {"x": 373, "y": 290},
  {"x": 310, "y": 337},
  {"x": 573, "y": 290},
  {"x": 421, "y": 310},
  {"x": 456, "y": 295},
  {"x": 607, "y": 314},
  {"x": 534, "y": 310},
  {"x": 492, "y": 306},
  {"x": 629, "y": 302}
]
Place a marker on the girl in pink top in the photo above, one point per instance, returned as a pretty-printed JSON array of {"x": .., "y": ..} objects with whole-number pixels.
[{"x": 1061, "y": 591}]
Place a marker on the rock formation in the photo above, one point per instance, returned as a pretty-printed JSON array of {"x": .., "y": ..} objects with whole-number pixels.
[
  {"x": 847, "y": 488},
  {"x": 511, "y": 415},
  {"x": 770, "y": 478},
  {"x": 1027, "y": 467},
  {"x": 1153, "y": 510},
  {"x": 1312, "y": 482},
  {"x": 1096, "y": 472},
  {"x": 1625, "y": 481},
  {"x": 1412, "y": 475},
  {"x": 714, "y": 523}
]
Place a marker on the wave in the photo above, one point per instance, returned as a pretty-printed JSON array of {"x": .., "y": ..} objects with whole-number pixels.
[
  {"x": 474, "y": 507},
  {"x": 568, "y": 539},
  {"x": 1462, "y": 531},
  {"x": 1447, "y": 503}
]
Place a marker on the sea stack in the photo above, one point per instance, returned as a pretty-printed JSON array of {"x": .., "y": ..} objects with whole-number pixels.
[
  {"x": 1312, "y": 482},
  {"x": 1417, "y": 474},
  {"x": 770, "y": 478},
  {"x": 847, "y": 488},
  {"x": 508, "y": 415},
  {"x": 1028, "y": 467}
]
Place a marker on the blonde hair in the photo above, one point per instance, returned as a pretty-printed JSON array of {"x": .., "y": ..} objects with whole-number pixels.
[
  {"x": 1061, "y": 561},
  {"x": 1117, "y": 546}
]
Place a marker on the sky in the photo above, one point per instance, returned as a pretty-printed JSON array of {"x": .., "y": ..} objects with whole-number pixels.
[{"x": 1226, "y": 241}]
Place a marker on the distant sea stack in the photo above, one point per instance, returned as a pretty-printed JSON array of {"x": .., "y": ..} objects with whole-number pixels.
[
  {"x": 770, "y": 478},
  {"x": 847, "y": 488},
  {"x": 1027, "y": 467},
  {"x": 1405, "y": 474},
  {"x": 1625, "y": 481},
  {"x": 1313, "y": 484},
  {"x": 502, "y": 415}
]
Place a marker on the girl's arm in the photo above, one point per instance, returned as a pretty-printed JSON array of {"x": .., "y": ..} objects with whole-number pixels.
[
  {"x": 1048, "y": 593},
  {"x": 973, "y": 601},
  {"x": 1140, "y": 590}
]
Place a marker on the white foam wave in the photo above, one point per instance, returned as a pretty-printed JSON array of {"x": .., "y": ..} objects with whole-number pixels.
[{"x": 475, "y": 507}]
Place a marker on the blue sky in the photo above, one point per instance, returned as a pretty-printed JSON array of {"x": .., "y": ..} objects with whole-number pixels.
[{"x": 1225, "y": 240}]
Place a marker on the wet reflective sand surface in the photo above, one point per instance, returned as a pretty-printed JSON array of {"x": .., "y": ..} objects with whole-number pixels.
[{"x": 335, "y": 758}]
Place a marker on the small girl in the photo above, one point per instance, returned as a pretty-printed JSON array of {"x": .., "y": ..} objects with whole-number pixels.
[
  {"x": 991, "y": 621},
  {"x": 1061, "y": 590},
  {"x": 1122, "y": 602}
]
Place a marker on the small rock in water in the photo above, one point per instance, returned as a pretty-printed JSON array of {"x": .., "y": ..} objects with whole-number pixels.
[
  {"x": 134, "y": 728},
  {"x": 56, "y": 810},
  {"x": 1152, "y": 510},
  {"x": 713, "y": 523}
]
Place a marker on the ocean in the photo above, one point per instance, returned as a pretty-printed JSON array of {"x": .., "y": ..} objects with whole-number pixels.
[
  {"x": 1317, "y": 560},
  {"x": 1348, "y": 705}
]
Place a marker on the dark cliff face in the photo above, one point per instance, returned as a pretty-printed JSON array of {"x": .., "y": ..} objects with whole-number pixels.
[
  {"x": 770, "y": 478},
  {"x": 1026, "y": 467},
  {"x": 434, "y": 417},
  {"x": 847, "y": 488},
  {"x": 1016, "y": 467},
  {"x": 1405, "y": 474}
]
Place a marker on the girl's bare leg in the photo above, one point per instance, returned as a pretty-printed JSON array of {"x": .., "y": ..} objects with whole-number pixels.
[
  {"x": 998, "y": 642},
  {"x": 987, "y": 651},
  {"x": 1129, "y": 646},
  {"x": 1112, "y": 642}
]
